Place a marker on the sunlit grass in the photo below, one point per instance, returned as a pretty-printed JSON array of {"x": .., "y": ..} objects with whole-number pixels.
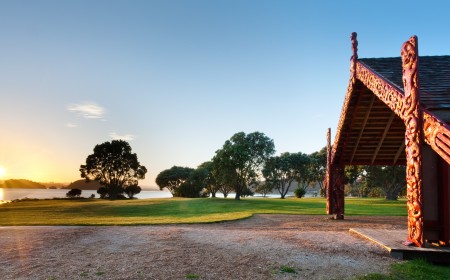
[
  {"x": 411, "y": 270},
  {"x": 176, "y": 210}
]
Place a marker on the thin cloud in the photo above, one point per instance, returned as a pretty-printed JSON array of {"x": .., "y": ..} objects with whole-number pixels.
[
  {"x": 87, "y": 110},
  {"x": 71, "y": 125},
  {"x": 125, "y": 137}
]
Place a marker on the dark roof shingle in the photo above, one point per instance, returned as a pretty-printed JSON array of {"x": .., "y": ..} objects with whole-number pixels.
[{"x": 434, "y": 77}]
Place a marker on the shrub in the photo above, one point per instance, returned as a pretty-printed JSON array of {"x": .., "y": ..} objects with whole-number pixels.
[
  {"x": 73, "y": 193},
  {"x": 247, "y": 192},
  {"x": 376, "y": 192},
  {"x": 299, "y": 192}
]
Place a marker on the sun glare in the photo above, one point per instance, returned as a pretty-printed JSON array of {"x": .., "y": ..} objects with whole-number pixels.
[{"x": 2, "y": 171}]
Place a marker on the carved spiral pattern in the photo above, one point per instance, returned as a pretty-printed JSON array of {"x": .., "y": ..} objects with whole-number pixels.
[
  {"x": 411, "y": 115},
  {"x": 437, "y": 135},
  {"x": 385, "y": 91}
]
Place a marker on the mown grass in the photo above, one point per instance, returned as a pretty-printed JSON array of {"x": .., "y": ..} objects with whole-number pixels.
[
  {"x": 412, "y": 270},
  {"x": 176, "y": 210}
]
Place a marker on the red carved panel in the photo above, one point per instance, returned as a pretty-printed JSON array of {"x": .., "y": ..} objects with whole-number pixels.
[{"x": 437, "y": 135}]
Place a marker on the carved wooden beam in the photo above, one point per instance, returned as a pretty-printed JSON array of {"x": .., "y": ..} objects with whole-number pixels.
[
  {"x": 399, "y": 152},
  {"x": 366, "y": 118},
  {"x": 412, "y": 116},
  {"x": 383, "y": 89},
  {"x": 380, "y": 143},
  {"x": 350, "y": 87}
]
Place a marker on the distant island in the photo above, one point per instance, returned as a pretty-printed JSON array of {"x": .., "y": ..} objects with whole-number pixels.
[
  {"x": 82, "y": 185},
  {"x": 78, "y": 184},
  {"x": 28, "y": 184},
  {"x": 21, "y": 184}
]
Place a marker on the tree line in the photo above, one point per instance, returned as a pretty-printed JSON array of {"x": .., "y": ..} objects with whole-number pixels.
[{"x": 246, "y": 163}]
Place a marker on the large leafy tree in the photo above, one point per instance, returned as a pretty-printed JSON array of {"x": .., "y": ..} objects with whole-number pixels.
[
  {"x": 280, "y": 172},
  {"x": 391, "y": 179},
  {"x": 114, "y": 166},
  {"x": 173, "y": 178},
  {"x": 239, "y": 162}
]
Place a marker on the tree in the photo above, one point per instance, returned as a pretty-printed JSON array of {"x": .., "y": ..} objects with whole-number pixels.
[
  {"x": 280, "y": 172},
  {"x": 239, "y": 162},
  {"x": 225, "y": 189},
  {"x": 194, "y": 185},
  {"x": 132, "y": 190},
  {"x": 356, "y": 183},
  {"x": 172, "y": 178},
  {"x": 391, "y": 179},
  {"x": 301, "y": 163},
  {"x": 114, "y": 166},
  {"x": 319, "y": 169},
  {"x": 73, "y": 193},
  {"x": 211, "y": 183},
  {"x": 264, "y": 188}
]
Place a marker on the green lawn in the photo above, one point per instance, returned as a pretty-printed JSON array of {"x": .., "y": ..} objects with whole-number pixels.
[
  {"x": 412, "y": 270},
  {"x": 176, "y": 210}
]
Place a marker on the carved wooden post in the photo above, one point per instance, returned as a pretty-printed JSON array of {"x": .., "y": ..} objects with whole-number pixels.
[
  {"x": 327, "y": 183},
  {"x": 354, "y": 57},
  {"x": 412, "y": 116},
  {"x": 338, "y": 185}
]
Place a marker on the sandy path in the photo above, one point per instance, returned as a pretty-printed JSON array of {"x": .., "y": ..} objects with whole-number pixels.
[{"x": 255, "y": 248}]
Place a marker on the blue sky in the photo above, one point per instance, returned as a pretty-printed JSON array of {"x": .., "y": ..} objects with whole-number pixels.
[{"x": 177, "y": 78}]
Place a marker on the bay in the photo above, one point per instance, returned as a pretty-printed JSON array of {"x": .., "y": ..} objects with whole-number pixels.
[{"x": 7, "y": 194}]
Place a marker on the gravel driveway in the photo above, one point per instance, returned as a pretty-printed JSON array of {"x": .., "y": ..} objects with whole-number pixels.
[{"x": 255, "y": 248}]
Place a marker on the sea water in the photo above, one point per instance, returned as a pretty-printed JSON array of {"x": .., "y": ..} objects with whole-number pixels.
[{"x": 7, "y": 194}]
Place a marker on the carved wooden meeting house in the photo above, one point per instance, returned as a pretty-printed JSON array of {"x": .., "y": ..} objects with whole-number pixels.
[{"x": 396, "y": 112}]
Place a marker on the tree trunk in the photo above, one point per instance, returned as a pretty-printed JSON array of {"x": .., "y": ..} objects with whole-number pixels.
[{"x": 391, "y": 196}]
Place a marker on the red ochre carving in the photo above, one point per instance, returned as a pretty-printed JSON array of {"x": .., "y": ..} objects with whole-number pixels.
[
  {"x": 421, "y": 125},
  {"x": 412, "y": 116}
]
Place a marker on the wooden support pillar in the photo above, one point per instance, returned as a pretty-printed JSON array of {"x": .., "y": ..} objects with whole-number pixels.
[
  {"x": 412, "y": 117},
  {"x": 328, "y": 177},
  {"x": 338, "y": 185}
]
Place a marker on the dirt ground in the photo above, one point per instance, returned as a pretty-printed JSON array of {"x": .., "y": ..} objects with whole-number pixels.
[{"x": 255, "y": 248}]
